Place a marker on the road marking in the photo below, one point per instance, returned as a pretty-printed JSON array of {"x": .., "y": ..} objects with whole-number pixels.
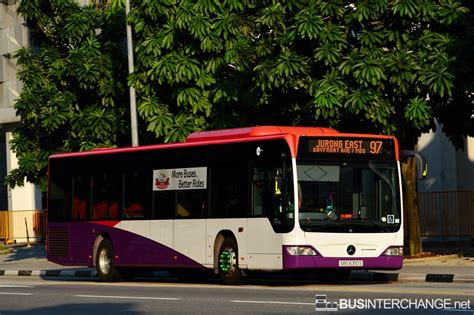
[
  {"x": 15, "y": 293},
  {"x": 271, "y": 302},
  {"x": 126, "y": 297}
]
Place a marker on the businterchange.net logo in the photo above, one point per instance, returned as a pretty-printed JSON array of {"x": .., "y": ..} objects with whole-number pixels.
[{"x": 323, "y": 305}]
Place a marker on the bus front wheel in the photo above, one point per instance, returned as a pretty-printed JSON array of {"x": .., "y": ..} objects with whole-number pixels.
[
  {"x": 104, "y": 262},
  {"x": 228, "y": 261}
]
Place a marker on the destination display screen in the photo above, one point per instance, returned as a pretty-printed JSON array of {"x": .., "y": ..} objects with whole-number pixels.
[{"x": 350, "y": 147}]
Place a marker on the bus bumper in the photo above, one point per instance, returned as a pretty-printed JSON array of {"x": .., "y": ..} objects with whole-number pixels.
[{"x": 382, "y": 262}]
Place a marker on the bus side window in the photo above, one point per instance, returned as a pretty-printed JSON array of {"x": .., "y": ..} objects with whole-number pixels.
[
  {"x": 81, "y": 193},
  {"x": 191, "y": 203},
  {"x": 229, "y": 190},
  {"x": 134, "y": 210},
  {"x": 106, "y": 195},
  {"x": 164, "y": 204},
  {"x": 137, "y": 194},
  {"x": 79, "y": 209}
]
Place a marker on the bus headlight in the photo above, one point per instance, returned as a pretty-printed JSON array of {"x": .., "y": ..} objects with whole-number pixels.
[
  {"x": 394, "y": 251},
  {"x": 300, "y": 251}
]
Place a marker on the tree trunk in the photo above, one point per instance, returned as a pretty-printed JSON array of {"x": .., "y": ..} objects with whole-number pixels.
[{"x": 410, "y": 204}]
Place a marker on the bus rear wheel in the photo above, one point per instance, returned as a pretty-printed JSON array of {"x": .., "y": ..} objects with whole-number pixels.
[
  {"x": 228, "y": 262},
  {"x": 104, "y": 262}
]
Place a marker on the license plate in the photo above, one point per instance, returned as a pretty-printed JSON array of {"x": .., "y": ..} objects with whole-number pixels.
[{"x": 351, "y": 263}]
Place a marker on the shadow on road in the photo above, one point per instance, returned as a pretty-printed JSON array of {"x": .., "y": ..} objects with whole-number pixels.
[
  {"x": 461, "y": 248},
  {"x": 80, "y": 308},
  {"x": 268, "y": 279},
  {"x": 22, "y": 253}
]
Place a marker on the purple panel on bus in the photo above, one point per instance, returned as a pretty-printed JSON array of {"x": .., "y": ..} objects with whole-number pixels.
[
  {"x": 130, "y": 249},
  {"x": 307, "y": 262}
]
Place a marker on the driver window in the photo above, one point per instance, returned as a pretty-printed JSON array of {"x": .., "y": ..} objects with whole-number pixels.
[
  {"x": 267, "y": 193},
  {"x": 272, "y": 196}
]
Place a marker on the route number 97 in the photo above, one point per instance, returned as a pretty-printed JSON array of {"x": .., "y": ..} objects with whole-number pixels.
[{"x": 375, "y": 147}]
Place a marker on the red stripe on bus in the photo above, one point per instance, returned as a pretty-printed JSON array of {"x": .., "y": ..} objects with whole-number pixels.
[{"x": 106, "y": 223}]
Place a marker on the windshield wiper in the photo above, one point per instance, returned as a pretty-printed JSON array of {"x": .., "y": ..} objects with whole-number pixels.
[
  {"x": 374, "y": 224},
  {"x": 321, "y": 228}
]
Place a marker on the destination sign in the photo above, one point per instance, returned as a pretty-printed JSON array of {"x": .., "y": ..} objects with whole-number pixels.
[
  {"x": 383, "y": 148},
  {"x": 346, "y": 146}
]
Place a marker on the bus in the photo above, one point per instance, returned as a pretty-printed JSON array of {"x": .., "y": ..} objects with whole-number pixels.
[{"x": 266, "y": 198}]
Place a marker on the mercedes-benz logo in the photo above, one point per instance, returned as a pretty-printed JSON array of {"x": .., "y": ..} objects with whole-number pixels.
[{"x": 351, "y": 250}]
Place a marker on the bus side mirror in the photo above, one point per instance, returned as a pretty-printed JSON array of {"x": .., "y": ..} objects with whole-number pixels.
[{"x": 421, "y": 165}]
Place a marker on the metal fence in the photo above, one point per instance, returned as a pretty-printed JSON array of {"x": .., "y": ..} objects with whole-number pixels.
[
  {"x": 23, "y": 226},
  {"x": 446, "y": 214}
]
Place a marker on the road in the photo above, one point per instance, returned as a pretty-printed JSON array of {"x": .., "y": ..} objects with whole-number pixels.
[{"x": 20, "y": 295}]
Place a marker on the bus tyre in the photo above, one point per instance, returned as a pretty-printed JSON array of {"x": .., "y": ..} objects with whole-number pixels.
[
  {"x": 104, "y": 262},
  {"x": 228, "y": 262}
]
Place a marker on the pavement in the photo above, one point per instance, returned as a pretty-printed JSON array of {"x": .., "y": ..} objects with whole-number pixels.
[
  {"x": 26, "y": 260},
  {"x": 441, "y": 262}
]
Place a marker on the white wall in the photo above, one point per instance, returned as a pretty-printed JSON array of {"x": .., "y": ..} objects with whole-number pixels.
[
  {"x": 27, "y": 197},
  {"x": 465, "y": 163},
  {"x": 448, "y": 169},
  {"x": 441, "y": 158}
]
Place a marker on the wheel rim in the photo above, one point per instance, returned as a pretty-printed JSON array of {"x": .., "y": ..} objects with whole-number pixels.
[
  {"x": 104, "y": 261},
  {"x": 228, "y": 261}
]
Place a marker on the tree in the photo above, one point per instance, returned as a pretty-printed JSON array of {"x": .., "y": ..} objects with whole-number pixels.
[
  {"x": 193, "y": 65},
  {"x": 455, "y": 112},
  {"x": 74, "y": 77},
  {"x": 365, "y": 66},
  {"x": 326, "y": 62}
]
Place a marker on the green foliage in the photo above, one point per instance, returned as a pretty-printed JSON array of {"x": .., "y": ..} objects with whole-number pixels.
[
  {"x": 386, "y": 64},
  {"x": 364, "y": 66},
  {"x": 456, "y": 110},
  {"x": 190, "y": 58},
  {"x": 417, "y": 111},
  {"x": 73, "y": 77}
]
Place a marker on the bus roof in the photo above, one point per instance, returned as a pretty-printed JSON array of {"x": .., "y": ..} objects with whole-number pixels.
[
  {"x": 214, "y": 137},
  {"x": 291, "y": 134},
  {"x": 259, "y": 131}
]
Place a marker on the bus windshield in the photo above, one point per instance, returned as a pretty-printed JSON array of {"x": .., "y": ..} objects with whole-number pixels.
[{"x": 348, "y": 196}]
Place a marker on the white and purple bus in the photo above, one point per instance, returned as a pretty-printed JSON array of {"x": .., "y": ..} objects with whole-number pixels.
[{"x": 259, "y": 198}]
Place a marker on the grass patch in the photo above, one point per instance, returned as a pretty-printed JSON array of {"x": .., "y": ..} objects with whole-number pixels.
[{"x": 5, "y": 249}]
